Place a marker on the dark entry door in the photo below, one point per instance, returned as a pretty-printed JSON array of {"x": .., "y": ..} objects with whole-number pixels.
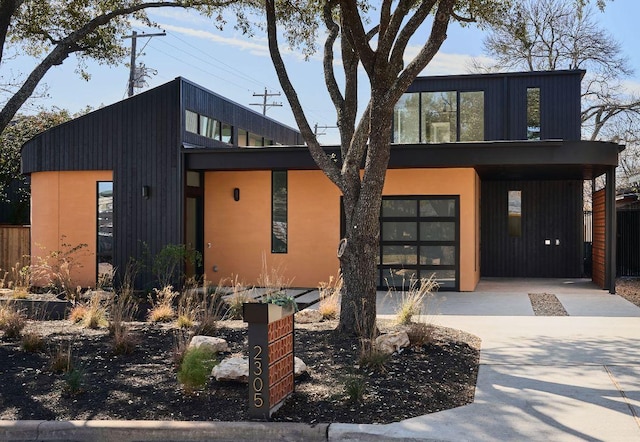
[{"x": 531, "y": 229}]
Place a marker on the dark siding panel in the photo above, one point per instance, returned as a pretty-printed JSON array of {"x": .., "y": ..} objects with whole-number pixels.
[
  {"x": 550, "y": 210},
  {"x": 628, "y": 246}
]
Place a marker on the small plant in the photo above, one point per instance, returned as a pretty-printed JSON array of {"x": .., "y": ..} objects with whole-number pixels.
[
  {"x": 124, "y": 342},
  {"x": 78, "y": 313},
  {"x": 196, "y": 367},
  {"x": 188, "y": 305},
  {"x": 21, "y": 276},
  {"x": 56, "y": 268},
  {"x": 162, "y": 306},
  {"x": 371, "y": 357},
  {"x": 61, "y": 359},
  {"x": 95, "y": 315},
  {"x": 236, "y": 299},
  {"x": 355, "y": 387},
  {"x": 329, "y": 305},
  {"x": 419, "y": 334},
  {"x": 11, "y": 322},
  {"x": 281, "y": 299},
  {"x": 122, "y": 309},
  {"x": 209, "y": 314},
  {"x": 414, "y": 299},
  {"x": 32, "y": 342},
  {"x": 181, "y": 340},
  {"x": 74, "y": 381},
  {"x": 169, "y": 261}
]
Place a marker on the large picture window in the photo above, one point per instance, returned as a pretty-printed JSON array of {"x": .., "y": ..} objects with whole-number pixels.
[
  {"x": 439, "y": 117},
  {"x": 104, "y": 249},
  {"x": 279, "y": 202}
]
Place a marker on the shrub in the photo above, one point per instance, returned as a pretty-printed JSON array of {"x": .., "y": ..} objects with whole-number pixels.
[
  {"x": 371, "y": 357},
  {"x": 56, "y": 269},
  {"x": 11, "y": 322},
  {"x": 181, "y": 340},
  {"x": 355, "y": 388},
  {"x": 78, "y": 313},
  {"x": 96, "y": 315},
  {"x": 210, "y": 309},
  {"x": 236, "y": 299},
  {"x": 329, "y": 305},
  {"x": 74, "y": 381},
  {"x": 170, "y": 259},
  {"x": 196, "y": 367},
  {"x": 61, "y": 360},
  {"x": 162, "y": 306},
  {"x": 419, "y": 334},
  {"x": 413, "y": 300},
  {"x": 32, "y": 342},
  {"x": 124, "y": 342}
]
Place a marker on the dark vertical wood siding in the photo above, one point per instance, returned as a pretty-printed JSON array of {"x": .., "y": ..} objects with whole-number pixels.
[
  {"x": 628, "y": 244},
  {"x": 598, "y": 248},
  {"x": 505, "y": 99},
  {"x": 550, "y": 210},
  {"x": 139, "y": 140},
  {"x": 205, "y": 102}
]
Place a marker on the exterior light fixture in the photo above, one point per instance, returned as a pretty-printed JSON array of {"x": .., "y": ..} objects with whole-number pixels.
[
  {"x": 236, "y": 194},
  {"x": 145, "y": 191}
]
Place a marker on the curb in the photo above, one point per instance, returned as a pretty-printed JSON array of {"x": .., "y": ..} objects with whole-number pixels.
[{"x": 149, "y": 431}]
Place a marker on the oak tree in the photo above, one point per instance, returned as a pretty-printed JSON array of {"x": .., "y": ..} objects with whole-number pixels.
[{"x": 376, "y": 38}]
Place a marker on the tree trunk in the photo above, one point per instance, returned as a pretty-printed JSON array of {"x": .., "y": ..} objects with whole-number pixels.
[{"x": 359, "y": 261}]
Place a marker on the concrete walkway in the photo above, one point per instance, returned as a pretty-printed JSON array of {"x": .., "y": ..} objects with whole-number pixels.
[{"x": 541, "y": 378}]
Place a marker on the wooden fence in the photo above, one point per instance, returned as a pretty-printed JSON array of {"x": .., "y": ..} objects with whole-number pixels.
[{"x": 14, "y": 248}]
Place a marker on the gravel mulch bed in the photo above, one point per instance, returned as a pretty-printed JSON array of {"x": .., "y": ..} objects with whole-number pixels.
[
  {"x": 436, "y": 376},
  {"x": 546, "y": 304},
  {"x": 629, "y": 289}
]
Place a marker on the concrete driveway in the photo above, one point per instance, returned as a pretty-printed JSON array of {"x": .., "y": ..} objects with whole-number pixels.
[{"x": 541, "y": 378}]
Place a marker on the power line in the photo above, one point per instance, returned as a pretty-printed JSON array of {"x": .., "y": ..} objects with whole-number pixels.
[
  {"x": 132, "y": 68},
  {"x": 264, "y": 103}
]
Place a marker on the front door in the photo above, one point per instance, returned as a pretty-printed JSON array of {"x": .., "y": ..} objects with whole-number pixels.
[{"x": 531, "y": 229}]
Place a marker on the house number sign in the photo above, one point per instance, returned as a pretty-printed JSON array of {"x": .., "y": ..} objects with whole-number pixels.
[{"x": 270, "y": 358}]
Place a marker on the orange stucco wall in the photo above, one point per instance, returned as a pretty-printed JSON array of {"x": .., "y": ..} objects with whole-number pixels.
[
  {"x": 462, "y": 182},
  {"x": 63, "y": 211},
  {"x": 239, "y": 233}
]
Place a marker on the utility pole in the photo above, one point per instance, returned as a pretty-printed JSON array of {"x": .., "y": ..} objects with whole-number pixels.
[
  {"x": 132, "y": 68},
  {"x": 264, "y": 103},
  {"x": 316, "y": 127}
]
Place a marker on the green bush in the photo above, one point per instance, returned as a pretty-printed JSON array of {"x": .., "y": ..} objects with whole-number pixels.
[{"x": 196, "y": 367}]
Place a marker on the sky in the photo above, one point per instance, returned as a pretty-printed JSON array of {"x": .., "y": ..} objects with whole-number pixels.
[{"x": 237, "y": 67}]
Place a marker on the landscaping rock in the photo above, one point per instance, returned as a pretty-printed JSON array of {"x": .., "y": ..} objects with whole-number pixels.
[
  {"x": 234, "y": 369},
  {"x": 215, "y": 344},
  {"x": 308, "y": 316},
  {"x": 392, "y": 342},
  {"x": 299, "y": 367}
]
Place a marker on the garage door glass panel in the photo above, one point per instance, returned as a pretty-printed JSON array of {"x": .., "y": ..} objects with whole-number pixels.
[
  {"x": 399, "y": 231},
  {"x": 437, "y": 231},
  {"x": 399, "y": 255},
  {"x": 438, "y": 255},
  {"x": 399, "y": 208},
  {"x": 438, "y": 208}
]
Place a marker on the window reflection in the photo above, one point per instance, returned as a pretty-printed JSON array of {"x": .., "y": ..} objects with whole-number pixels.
[
  {"x": 533, "y": 113},
  {"x": 104, "y": 249}
]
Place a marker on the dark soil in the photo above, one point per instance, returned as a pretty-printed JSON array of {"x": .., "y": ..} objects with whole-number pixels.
[{"x": 143, "y": 385}]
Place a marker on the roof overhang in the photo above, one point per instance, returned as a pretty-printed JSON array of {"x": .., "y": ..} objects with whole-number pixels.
[{"x": 498, "y": 160}]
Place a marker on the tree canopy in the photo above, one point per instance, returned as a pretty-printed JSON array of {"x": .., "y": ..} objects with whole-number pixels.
[{"x": 50, "y": 31}]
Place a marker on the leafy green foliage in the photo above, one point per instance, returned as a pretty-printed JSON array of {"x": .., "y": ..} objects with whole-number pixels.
[
  {"x": 21, "y": 130},
  {"x": 168, "y": 263},
  {"x": 196, "y": 367},
  {"x": 355, "y": 388}
]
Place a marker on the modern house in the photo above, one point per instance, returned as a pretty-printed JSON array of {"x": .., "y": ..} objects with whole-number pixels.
[{"x": 485, "y": 179}]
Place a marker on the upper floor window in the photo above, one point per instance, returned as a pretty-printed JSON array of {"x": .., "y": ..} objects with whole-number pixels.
[
  {"x": 208, "y": 127},
  {"x": 439, "y": 117},
  {"x": 533, "y": 113}
]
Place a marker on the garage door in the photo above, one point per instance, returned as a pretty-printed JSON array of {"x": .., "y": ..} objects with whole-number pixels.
[{"x": 419, "y": 237}]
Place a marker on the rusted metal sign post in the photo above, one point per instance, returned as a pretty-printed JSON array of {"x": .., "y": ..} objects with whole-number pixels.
[{"x": 271, "y": 360}]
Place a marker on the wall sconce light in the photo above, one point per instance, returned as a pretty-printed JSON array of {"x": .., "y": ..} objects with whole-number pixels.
[
  {"x": 236, "y": 194},
  {"x": 145, "y": 191}
]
